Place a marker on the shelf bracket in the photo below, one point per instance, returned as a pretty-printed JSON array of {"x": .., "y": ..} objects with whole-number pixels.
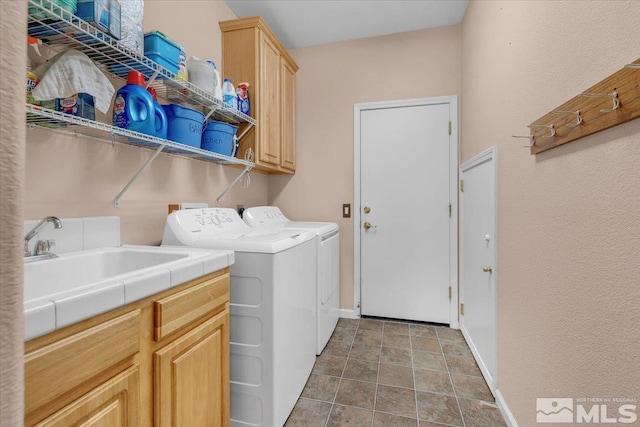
[
  {"x": 116, "y": 201},
  {"x": 153, "y": 77},
  {"x": 211, "y": 111},
  {"x": 245, "y": 130},
  {"x": 243, "y": 173}
]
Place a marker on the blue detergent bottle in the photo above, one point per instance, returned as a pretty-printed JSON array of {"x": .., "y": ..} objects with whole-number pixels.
[
  {"x": 133, "y": 108},
  {"x": 162, "y": 123}
]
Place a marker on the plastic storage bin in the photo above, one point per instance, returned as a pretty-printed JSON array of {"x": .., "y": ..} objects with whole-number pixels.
[
  {"x": 158, "y": 48},
  {"x": 66, "y": 5},
  {"x": 184, "y": 124},
  {"x": 219, "y": 137}
]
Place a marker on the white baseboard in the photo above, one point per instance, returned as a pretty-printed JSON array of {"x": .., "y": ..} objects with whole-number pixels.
[
  {"x": 504, "y": 409},
  {"x": 348, "y": 313},
  {"x": 483, "y": 368}
]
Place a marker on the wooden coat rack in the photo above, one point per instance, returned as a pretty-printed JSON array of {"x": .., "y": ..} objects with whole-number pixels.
[{"x": 612, "y": 101}]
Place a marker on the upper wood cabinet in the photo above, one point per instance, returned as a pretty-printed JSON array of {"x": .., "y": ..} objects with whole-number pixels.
[{"x": 251, "y": 53}]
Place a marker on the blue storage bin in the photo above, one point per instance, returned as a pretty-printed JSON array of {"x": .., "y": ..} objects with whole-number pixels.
[
  {"x": 164, "y": 62},
  {"x": 184, "y": 124},
  {"x": 219, "y": 138},
  {"x": 160, "y": 49}
]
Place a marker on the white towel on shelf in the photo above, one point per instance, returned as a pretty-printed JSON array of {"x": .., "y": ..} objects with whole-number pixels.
[{"x": 73, "y": 72}]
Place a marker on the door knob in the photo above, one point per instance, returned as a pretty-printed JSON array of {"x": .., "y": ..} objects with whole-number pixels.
[
  {"x": 367, "y": 209},
  {"x": 487, "y": 269},
  {"x": 367, "y": 225}
]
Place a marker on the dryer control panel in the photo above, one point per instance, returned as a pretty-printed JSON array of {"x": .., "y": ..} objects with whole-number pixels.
[{"x": 260, "y": 216}]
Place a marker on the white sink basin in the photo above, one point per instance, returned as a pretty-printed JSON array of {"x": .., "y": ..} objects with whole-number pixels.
[
  {"x": 67, "y": 272},
  {"x": 78, "y": 285}
]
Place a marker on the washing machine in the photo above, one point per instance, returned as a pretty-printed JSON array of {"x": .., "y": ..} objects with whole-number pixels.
[
  {"x": 328, "y": 263},
  {"x": 272, "y": 309}
]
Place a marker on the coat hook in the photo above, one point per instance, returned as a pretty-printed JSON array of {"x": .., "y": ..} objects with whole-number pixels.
[
  {"x": 551, "y": 128},
  {"x": 636, "y": 66},
  {"x": 613, "y": 95},
  {"x": 577, "y": 113},
  {"x": 531, "y": 139}
]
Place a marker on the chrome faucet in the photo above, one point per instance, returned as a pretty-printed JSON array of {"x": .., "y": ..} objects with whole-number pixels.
[{"x": 41, "y": 246}]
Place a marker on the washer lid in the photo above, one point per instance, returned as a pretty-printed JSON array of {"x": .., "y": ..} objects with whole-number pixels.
[
  {"x": 271, "y": 216},
  {"x": 222, "y": 228},
  {"x": 317, "y": 228}
]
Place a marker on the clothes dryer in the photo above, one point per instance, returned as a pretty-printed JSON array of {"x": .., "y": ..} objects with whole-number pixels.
[
  {"x": 272, "y": 322},
  {"x": 328, "y": 263}
]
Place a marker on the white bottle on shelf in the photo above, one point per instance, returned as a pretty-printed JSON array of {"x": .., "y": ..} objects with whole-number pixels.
[
  {"x": 217, "y": 84},
  {"x": 229, "y": 94}
]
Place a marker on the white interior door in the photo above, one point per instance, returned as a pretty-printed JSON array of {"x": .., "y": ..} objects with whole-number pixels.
[
  {"x": 478, "y": 290},
  {"x": 405, "y": 197}
]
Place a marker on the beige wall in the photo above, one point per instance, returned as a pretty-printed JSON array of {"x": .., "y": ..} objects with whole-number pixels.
[
  {"x": 568, "y": 230},
  {"x": 12, "y": 129},
  {"x": 332, "y": 78},
  {"x": 68, "y": 176},
  {"x": 568, "y": 219}
]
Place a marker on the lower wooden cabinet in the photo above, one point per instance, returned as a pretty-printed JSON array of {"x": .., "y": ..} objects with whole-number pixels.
[
  {"x": 192, "y": 382},
  {"x": 114, "y": 404},
  {"x": 161, "y": 361}
]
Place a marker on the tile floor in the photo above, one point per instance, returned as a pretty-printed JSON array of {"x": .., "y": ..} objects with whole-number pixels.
[{"x": 379, "y": 373}]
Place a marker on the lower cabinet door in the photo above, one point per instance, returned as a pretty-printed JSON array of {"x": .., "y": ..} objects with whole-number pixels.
[
  {"x": 112, "y": 404},
  {"x": 192, "y": 377}
]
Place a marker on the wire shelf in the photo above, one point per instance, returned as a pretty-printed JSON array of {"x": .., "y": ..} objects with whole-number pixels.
[
  {"x": 66, "y": 123},
  {"x": 57, "y": 27}
]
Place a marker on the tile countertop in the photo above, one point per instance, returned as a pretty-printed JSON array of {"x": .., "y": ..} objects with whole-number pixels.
[{"x": 46, "y": 314}]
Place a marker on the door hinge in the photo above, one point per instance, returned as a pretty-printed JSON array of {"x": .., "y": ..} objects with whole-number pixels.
[
  {"x": 462, "y": 185},
  {"x": 450, "y": 293},
  {"x": 449, "y": 128},
  {"x": 462, "y": 309},
  {"x": 449, "y": 210}
]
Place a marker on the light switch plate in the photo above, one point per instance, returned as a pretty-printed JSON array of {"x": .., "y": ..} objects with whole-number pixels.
[{"x": 346, "y": 210}]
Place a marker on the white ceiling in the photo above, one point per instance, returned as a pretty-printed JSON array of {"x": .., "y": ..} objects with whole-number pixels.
[{"x": 299, "y": 23}]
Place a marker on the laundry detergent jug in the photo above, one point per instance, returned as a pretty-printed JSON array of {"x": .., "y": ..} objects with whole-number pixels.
[
  {"x": 133, "y": 107},
  {"x": 162, "y": 123}
]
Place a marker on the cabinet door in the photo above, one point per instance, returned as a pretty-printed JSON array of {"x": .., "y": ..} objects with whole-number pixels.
[
  {"x": 192, "y": 377},
  {"x": 269, "y": 110},
  {"x": 60, "y": 372},
  {"x": 113, "y": 404},
  {"x": 288, "y": 118}
]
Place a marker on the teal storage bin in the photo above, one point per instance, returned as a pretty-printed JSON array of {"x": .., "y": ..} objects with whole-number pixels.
[
  {"x": 219, "y": 137},
  {"x": 66, "y": 5},
  {"x": 158, "y": 48}
]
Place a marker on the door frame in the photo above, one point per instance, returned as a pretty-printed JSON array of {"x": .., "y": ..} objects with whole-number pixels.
[
  {"x": 490, "y": 154},
  {"x": 452, "y": 101}
]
